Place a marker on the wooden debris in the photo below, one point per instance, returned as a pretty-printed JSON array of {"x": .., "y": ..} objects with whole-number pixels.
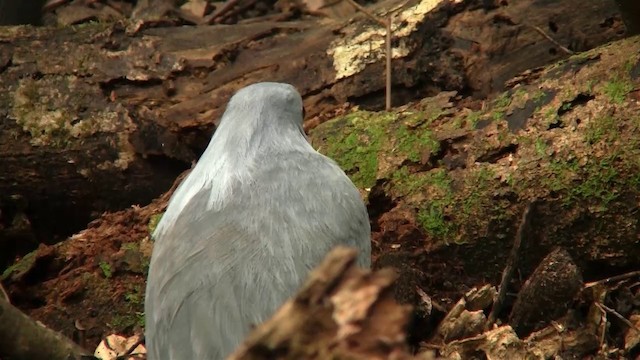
[{"x": 342, "y": 312}]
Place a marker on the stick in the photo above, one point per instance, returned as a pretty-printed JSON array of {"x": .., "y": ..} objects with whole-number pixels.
[
  {"x": 507, "y": 273},
  {"x": 387, "y": 25},
  {"x": 541, "y": 32}
]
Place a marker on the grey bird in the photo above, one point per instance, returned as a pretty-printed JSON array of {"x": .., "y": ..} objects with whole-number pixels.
[{"x": 260, "y": 209}]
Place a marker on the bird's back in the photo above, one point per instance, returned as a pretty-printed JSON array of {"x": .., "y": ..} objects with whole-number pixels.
[{"x": 217, "y": 271}]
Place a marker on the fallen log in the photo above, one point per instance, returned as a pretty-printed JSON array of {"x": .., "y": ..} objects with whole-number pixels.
[{"x": 101, "y": 116}]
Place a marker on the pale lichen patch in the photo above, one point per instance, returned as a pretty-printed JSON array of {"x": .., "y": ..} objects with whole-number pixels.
[
  {"x": 353, "y": 53},
  {"x": 50, "y": 110}
]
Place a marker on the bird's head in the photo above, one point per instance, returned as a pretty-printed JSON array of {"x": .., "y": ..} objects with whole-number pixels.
[{"x": 261, "y": 113}]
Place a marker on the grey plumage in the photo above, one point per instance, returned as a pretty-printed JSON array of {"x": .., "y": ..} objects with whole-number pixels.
[{"x": 257, "y": 213}]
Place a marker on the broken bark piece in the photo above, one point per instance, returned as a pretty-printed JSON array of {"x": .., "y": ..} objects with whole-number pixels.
[
  {"x": 467, "y": 317},
  {"x": 547, "y": 294},
  {"x": 555, "y": 339},
  {"x": 26, "y": 339},
  {"x": 197, "y": 8},
  {"x": 341, "y": 312},
  {"x": 498, "y": 344}
]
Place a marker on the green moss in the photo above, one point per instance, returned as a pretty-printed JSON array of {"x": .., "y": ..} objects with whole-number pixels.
[
  {"x": 146, "y": 261},
  {"x": 473, "y": 118},
  {"x": 35, "y": 109},
  {"x": 433, "y": 221},
  {"x": 502, "y": 101},
  {"x": 413, "y": 142},
  {"x": 432, "y": 217},
  {"x": 551, "y": 113},
  {"x": 560, "y": 173},
  {"x": 538, "y": 96},
  {"x": 130, "y": 246},
  {"x": 127, "y": 321},
  {"x": 21, "y": 266},
  {"x": 354, "y": 142},
  {"x": 604, "y": 128},
  {"x": 131, "y": 315},
  {"x": 599, "y": 183},
  {"x": 617, "y": 89},
  {"x": 497, "y": 115},
  {"x": 135, "y": 296},
  {"x": 477, "y": 183},
  {"x": 541, "y": 147},
  {"x": 106, "y": 269},
  {"x": 153, "y": 222},
  {"x": 406, "y": 182},
  {"x": 140, "y": 318}
]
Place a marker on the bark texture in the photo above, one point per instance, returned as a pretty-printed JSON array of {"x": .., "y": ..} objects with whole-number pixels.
[{"x": 101, "y": 116}]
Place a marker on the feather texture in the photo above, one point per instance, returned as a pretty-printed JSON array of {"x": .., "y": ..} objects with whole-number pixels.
[{"x": 256, "y": 214}]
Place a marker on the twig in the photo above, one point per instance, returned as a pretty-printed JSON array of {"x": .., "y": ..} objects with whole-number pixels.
[
  {"x": 387, "y": 25},
  {"x": 539, "y": 30},
  {"x": 618, "y": 315},
  {"x": 217, "y": 15},
  {"x": 131, "y": 348},
  {"x": 507, "y": 273},
  {"x": 612, "y": 279},
  {"x": 236, "y": 11},
  {"x": 367, "y": 12},
  {"x": 388, "y": 67}
]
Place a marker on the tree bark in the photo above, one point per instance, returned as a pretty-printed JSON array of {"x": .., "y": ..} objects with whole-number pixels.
[{"x": 102, "y": 116}]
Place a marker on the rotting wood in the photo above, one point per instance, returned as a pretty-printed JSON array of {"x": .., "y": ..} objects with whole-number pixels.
[
  {"x": 93, "y": 114},
  {"x": 341, "y": 312}
]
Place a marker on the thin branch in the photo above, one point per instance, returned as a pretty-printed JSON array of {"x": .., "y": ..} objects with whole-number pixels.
[
  {"x": 563, "y": 48},
  {"x": 388, "y": 66},
  {"x": 613, "y": 279},
  {"x": 509, "y": 269},
  {"x": 139, "y": 342},
  {"x": 217, "y": 16},
  {"x": 387, "y": 25},
  {"x": 604, "y": 307},
  {"x": 368, "y": 13},
  {"x": 238, "y": 10}
]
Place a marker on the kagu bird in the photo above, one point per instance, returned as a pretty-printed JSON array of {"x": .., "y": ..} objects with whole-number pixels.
[{"x": 259, "y": 210}]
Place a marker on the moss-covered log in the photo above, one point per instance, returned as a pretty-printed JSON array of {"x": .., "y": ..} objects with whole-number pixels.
[
  {"x": 91, "y": 115},
  {"x": 451, "y": 182}
]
